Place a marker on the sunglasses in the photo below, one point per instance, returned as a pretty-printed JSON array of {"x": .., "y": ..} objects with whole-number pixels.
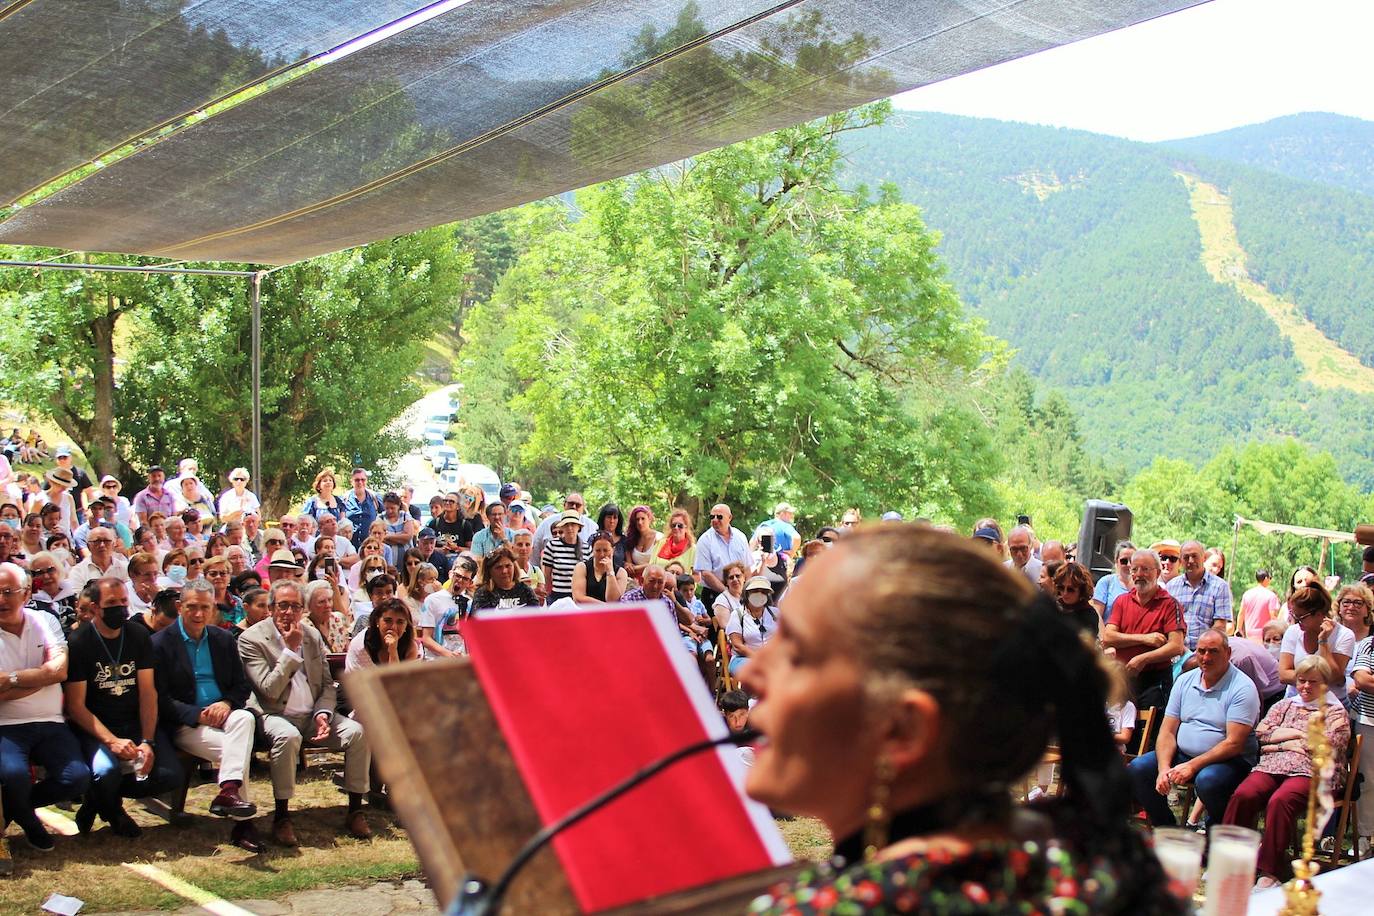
[
  {"x": 734, "y": 578},
  {"x": 240, "y": 480},
  {"x": 109, "y": 486},
  {"x": 716, "y": 518},
  {"x": 572, "y": 505},
  {"x": 676, "y": 525},
  {"x": 1168, "y": 559},
  {"x": 1124, "y": 561}
]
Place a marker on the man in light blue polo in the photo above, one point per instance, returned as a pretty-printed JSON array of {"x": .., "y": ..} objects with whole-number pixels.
[
  {"x": 1205, "y": 598},
  {"x": 1207, "y": 738},
  {"x": 718, "y": 545}
]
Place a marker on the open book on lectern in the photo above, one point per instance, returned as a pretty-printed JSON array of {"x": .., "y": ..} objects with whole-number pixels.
[{"x": 585, "y": 698}]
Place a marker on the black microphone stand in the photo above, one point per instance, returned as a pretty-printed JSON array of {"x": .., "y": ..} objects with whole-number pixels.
[{"x": 477, "y": 898}]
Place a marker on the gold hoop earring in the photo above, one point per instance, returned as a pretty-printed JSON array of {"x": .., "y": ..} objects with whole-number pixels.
[{"x": 879, "y": 818}]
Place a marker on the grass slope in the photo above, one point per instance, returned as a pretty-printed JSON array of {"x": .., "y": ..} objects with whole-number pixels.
[{"x": 1326, "y": 364}]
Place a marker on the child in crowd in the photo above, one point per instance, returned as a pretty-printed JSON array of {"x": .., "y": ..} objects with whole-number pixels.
[{"x": 734, "y": 705}]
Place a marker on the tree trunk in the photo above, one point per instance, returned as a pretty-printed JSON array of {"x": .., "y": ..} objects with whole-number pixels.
[{"x": 100, "y": 448}]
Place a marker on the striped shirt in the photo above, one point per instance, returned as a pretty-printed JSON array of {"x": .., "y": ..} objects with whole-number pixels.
[
  {"x": 558, "y": 563},
  {"x": 1362, "y": 704}
]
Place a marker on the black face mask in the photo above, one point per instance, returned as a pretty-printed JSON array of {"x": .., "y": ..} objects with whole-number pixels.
[{"x": 114, "y": 616}]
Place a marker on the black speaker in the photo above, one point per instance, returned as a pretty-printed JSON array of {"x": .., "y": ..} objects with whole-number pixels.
[{"x": 1104, "y": 524}]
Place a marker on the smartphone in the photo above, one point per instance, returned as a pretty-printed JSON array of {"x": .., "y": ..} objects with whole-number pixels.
[
  {"x": 1023, "y": 519},
  {"x": 766, "y": 543},
  {"x": 332, "y": 566}
]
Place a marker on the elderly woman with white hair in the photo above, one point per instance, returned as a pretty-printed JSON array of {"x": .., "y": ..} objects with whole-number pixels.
[
  {"x": 321, "y": 598},
  {"x": 238, "y": 499},
  {"x": 1278, "y": 785}
]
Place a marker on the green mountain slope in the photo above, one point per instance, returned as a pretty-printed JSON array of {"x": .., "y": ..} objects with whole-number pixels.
[
  {"x": 1084, "y": 252},
  {"x": 1312, "y": 146}
]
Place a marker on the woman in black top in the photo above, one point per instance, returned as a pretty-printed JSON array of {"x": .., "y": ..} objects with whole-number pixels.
[
  {"x": 597, "y": 579},
  {"x": 500, "y": 588}
]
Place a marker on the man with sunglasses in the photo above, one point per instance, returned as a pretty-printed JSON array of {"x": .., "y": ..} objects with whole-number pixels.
[
  {"x": 718, "y": 546},
  {"x": 448, "y": 520},
  {"x": 573, "y": 502},
  {"x": 442, "y": 613}
]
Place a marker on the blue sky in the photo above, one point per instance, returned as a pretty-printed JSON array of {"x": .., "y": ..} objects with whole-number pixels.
[{"x": 1216, "y": 66}]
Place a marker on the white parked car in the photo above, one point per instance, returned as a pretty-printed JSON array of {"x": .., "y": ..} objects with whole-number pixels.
[
  {"x": 482, "y": 476},
  {"x": 432, "y": 442},
  {"x": 448, "y": 479},
  {"x": 445, "y": 456}
]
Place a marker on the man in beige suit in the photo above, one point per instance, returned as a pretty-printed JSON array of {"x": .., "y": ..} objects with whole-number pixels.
[{"x": 294, "y": 693}]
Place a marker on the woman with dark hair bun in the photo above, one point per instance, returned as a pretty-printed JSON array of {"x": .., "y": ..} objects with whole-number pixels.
[{"x": 898, "y": 703}]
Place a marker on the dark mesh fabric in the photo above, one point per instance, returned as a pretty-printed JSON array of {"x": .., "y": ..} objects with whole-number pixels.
[{"x": 494, "y": 104}]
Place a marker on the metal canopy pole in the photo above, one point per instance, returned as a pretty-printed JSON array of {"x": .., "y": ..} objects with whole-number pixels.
[{"x": 257, "y": 377}]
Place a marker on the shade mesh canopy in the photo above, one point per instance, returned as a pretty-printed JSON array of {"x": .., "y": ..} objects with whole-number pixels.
[
  {"x": 80, "y": 77},
  {"x": 493, "y": 104}
]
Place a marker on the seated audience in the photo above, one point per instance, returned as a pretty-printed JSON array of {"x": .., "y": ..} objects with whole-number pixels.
[
  {"x": 499, "y": 587},
  {"x": 751, "y": 627},
  {"x": 202, "y": 696},
  {"x": 1207, "y": 738},
  {"x": 1278, "y": 785},
  {"x": 33, "y": 665},
  {"x": 112, "y": 702},
  {"x": 294, "y": 693},
  {"x": 388, "y": 639}
]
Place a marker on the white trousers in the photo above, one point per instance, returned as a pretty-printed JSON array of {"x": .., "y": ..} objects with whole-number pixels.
[{"x": 231, "y": 746}]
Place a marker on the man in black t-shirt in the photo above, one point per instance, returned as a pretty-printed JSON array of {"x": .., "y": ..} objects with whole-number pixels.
[{"x": 112, "y": 701}]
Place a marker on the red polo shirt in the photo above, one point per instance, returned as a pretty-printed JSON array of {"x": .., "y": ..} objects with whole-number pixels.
[{"x": 1161, "y": 614}]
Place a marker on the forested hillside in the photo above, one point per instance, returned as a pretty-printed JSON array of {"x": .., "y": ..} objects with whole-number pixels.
[
  {"x": 1083, "y": 252},
  {"x": 1313, "y": 146}
]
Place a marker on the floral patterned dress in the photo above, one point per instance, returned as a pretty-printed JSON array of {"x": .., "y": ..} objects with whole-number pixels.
[{"x": 987, "y": 878}]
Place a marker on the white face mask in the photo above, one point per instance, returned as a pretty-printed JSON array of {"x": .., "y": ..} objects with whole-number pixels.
[
  {"x": 1275, "y": 649},
  {"x": 757, "y": 599}
]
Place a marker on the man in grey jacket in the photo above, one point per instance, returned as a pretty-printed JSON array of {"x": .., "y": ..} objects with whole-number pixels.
[{"x": 284, "y": 657}]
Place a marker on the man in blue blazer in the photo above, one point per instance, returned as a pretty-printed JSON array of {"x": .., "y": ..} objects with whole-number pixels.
[{"x": 202, "y": 700}]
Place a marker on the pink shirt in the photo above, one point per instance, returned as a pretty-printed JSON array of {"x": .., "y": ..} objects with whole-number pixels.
[{"x": 1258, "y": 606}]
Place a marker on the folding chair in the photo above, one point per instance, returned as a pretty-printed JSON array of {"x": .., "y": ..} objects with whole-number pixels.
[
  {"x": 723, "y": 657},
  {"x": 1346, "y": 802},
  {"x": 1146, "y": 730}
]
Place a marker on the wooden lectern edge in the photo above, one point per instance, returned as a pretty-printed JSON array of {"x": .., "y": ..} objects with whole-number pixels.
[{"x": 409, "y": 796}]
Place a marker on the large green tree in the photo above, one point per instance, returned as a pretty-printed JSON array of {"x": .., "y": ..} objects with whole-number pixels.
[
  {"x": 147, "y": 369},
  {"x": 740, "y": 327}
]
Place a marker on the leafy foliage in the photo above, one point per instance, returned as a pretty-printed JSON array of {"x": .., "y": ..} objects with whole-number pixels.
[{"x": 737, "y": 327}]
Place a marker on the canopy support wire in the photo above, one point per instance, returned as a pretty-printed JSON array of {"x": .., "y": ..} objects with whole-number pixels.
[{"x": 256, "y": 287}]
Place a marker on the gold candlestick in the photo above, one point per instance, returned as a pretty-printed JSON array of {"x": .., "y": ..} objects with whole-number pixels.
[{"x": 1301, "y": 893}]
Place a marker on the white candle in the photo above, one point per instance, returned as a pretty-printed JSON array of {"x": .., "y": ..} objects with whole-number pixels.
[{"x": 1230, "y": 870}]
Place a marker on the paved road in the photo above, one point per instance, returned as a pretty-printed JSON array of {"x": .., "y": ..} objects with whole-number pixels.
[{"x": 413, "y": 467}]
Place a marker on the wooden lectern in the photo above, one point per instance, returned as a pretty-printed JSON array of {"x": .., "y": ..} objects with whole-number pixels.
[{"x": 464, "y": 802}]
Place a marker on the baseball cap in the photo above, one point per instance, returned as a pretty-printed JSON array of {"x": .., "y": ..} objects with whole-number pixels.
[
  {"x": 63, "y": 451},
  {"x": 988, "y": 534},
  {"x": 892, "y": 516},
  {"x": 509, "y": 490},
  {"x": 427, "y": 534}
]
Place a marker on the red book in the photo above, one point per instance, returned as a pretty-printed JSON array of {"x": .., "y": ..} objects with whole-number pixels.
[{"x": 585, "y": 698}]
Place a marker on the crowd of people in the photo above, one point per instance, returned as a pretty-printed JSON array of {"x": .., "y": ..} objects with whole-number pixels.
[{"x": 178, "y": 623}]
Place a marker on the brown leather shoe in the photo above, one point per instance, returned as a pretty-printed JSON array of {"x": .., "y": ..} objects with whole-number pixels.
[
  {"x": 356, "y": 825},
  {"x": 245, "y": 836},
  {"x": 283, "y": 834}
]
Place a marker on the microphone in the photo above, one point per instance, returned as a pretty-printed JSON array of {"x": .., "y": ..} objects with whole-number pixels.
[{"x": 477, "y": 898}]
